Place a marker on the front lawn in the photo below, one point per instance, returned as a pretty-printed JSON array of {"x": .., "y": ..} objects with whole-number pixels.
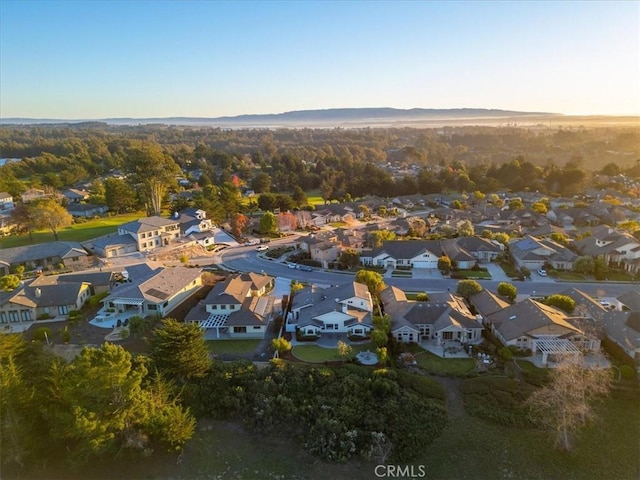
[
  {"x": 569, "y": 276},
  {"x": 509, "y": 269},
  {"x": 478, "y": 274},
  {"x": 435, "y": 365},
  {"x": 78, "y": 232},
  {"x": 402, "y": 273},
  {"x": 236, "y": 347},
  {"x": 315, "y": 354},
  {"x": 619, "y": 277}
]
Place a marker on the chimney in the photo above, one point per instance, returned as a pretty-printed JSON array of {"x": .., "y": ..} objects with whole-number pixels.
[{"x": 38, "y": 293}]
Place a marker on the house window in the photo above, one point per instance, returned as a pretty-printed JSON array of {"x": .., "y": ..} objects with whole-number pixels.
[
  {"x": 25, "y": 315},
  {"x": 151, "y": 306},
  {"x": 240, "y": 329},
  {"x": 214, "y": 307},
  {"x": 144, "y": 245},
  {"x": 3, "y": 317},
  {"x": 257, "y": 327},
  {"x": 75, "y": 259},
  {"x": 63, "y": 310},
  {"x": 223, "y": 307},
  {"x": 13, "y": 316}
]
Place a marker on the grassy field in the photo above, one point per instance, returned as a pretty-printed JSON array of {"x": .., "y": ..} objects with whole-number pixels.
[
  {"x": 474, "y": 274},
  {"x": 315, "y": 354},
  {"x": 238, "y": 347},
  {"x": 433, "y": 364},
  {"x": 468, "y": 449},
  {"x": 78, "y": 232},
  {"x": 606, "y": 449}
]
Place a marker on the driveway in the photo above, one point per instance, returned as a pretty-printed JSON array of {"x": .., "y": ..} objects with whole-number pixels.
[{"x": 496, "y": 272}]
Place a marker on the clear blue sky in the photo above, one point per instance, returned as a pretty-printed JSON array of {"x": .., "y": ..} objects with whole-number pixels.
[{"x": 92, "y": 59}]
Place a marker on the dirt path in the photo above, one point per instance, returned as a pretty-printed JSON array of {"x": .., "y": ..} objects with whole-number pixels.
[{"x": 455, "y": 403}]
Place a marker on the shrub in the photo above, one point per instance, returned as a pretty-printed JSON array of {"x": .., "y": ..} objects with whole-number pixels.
[
  {"x": 66, "y": 335},
  {"x": 44, "y": 316},
  {"x": 422, "y": 297},
  {"x": 505, "y": 353},
  {"x": 617, "y": 353},
  {"x": 42, "y": 334}
]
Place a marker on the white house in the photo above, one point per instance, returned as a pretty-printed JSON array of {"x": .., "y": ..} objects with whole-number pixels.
[{"x": 341, "y": 309}]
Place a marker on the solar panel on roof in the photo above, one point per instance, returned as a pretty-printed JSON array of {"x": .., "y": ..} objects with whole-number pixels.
[{"x": 157, "y": 293}]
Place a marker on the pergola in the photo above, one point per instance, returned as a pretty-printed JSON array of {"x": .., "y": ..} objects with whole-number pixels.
[
  {"x": 557, "y": 346},
  {"x": 128, "y": 302},
  {"x": 215, "y": 320}
]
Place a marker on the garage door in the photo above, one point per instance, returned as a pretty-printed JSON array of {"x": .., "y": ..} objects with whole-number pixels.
[{"x": 425, "y": 264}]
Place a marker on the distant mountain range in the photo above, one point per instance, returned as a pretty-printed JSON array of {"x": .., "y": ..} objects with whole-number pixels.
[{"x": 349, "y": 117}]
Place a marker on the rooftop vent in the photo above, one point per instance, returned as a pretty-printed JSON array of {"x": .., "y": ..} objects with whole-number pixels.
[{"x": 512, "y": 317}]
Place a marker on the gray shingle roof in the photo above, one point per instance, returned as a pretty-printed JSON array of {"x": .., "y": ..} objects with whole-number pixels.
[{"x": 35, "y": 253}]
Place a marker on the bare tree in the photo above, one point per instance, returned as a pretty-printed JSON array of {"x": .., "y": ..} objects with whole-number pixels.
[{"x": 566, "y": 403}]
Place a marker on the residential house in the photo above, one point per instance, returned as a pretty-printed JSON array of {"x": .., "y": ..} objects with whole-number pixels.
[
  {"x": 534, "y": 253},
  {"x": 155, "y": 294},
  {"x": 443, "y": 318},
  {"x": 6, "y": 201},
  {"x": 623, "y": 328},
  {"x": 542, "y": 329},
  {"x": 323, "y": 247},
  {"x": 630, "y": 300},
  {"x": 86, "y": 209},
  {"x": 350, "y": 238},
  {"x": 143, "y": 235},
  {"x": 341, "y": 309},
  {"x": 237, "y": 308},
  {"x": 399, "y": 253},
  {"x": 74, "y": 195},
  {"x": 195, "y": 224},
  {"x": 33, "y": 194},
  {"x": 619, "y": 249},
  {"x": 33, "y": 303},
  {"x": 487, "y": 303},
  {"x": 45, "y": 255}
]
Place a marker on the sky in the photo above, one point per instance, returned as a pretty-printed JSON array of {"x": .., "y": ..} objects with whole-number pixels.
[{"x": 142, "y": 59}]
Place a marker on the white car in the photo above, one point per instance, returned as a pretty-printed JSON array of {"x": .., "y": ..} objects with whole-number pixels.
[
  {"x": 292, "y": 265},
  {"x": 262, "y": 248},
  {"x": 542, "y": 272}
]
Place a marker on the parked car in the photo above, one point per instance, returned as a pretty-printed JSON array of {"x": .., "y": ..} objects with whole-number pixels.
[
  {"x": 542, "y": 272},
  {"x": 306, "y": 268},
  {"x": 292, "y": 265},
  {"x": 262, "y": 248}
]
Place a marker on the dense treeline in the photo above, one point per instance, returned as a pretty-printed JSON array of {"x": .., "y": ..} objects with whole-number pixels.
[
  {"x": 106, "y": 404},
  {"x": 342, "y": 164},
  {"x": 335, "y": 413}
]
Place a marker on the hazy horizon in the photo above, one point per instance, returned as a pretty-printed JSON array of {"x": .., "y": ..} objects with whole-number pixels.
[{"x": 81, "y": 60}]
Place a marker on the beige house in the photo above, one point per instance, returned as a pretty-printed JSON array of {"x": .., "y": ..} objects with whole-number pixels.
[
  {"x": 32, "y": 303},
  {"x": 239, "y": 307},
  {"x": 156, "y": 294},
  {"x": 151, "y": 232},
  {"x": 443, "y": 318},
  {"x": 542, "y": 329}
]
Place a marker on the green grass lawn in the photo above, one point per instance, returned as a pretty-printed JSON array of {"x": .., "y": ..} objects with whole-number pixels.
[
  {"x": 78, "y": 232},
  {"x": 315, "y": 354},
  {"x": 435, "y": 365},
  {"x": 619, "y": 277},
  {"x": 475, "y": 274},
  {"x": 605, "y": 449},
  {"x": 570, "y": 276},
  {"x": 402, "y": 273},
  {"x": 232, "y": 346},
  {"x": 509, "y": 269}
]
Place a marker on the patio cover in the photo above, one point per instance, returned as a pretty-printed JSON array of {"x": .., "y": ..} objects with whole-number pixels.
[{"x": 128, "y": 301}]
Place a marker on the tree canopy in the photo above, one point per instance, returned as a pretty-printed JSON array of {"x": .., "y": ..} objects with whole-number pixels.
[{"x": 179, "y": 350}]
